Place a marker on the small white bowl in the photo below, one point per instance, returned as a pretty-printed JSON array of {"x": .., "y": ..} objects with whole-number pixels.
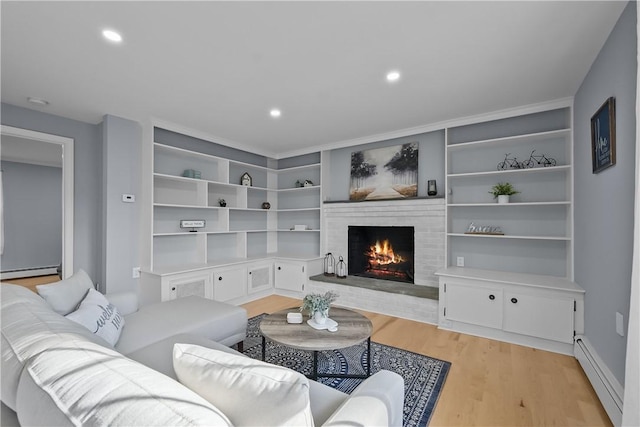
[{"x": 294, "y": 317}]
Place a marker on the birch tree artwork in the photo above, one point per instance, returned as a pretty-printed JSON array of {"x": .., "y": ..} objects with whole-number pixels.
[{"x": 385, "y": 173}]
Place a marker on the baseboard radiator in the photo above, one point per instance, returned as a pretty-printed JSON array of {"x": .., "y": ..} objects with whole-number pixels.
[
  {"x": 606, "y": 386},
  {"x": 28, "y": 272}
]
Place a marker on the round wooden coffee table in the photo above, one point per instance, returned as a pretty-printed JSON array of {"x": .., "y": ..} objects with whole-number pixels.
[{"x": 353, "y": 328}]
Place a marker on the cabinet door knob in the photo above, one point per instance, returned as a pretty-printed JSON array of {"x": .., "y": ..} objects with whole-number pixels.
[
  {"x": 514, "y": 300},
  {"x": 173, "y": 289},
  {"x": 279, "y": 268},
  {"x": 492, "y": 297},
  {"x": 251, "y": 272},
  {"x": 219, "y": 277}
]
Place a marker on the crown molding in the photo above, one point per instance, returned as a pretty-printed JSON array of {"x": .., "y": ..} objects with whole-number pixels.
[
  {"x": 400, "y": 133},
  {"x": 185, "y": 130},
  {"x": 494, "y": 115}
]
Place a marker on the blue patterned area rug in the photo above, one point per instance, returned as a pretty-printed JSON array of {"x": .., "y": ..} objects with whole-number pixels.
[{"x": 423, "y": 375}]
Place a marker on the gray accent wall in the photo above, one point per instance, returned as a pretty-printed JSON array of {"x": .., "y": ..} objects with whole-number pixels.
[
  {"x": 430, "y": 163},
  {"x": 121, "y": 160},
  {"x": 33, "y": 216},
  {"x": 604, "y": 202},
  {"x": 87, "y": 252}
]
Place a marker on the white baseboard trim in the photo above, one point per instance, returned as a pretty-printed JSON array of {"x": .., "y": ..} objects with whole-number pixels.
[
  {"x": 605, "y": 384},
  {"x": 17, "y": 274}
]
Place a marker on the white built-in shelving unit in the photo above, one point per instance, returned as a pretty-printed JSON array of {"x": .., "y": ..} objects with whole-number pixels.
[
  {"x": 242, "y": 229},
  {"x": 234, "y": 254},
  {"x": 537, "y": 223},
  {"x": 517, "y": 286}
]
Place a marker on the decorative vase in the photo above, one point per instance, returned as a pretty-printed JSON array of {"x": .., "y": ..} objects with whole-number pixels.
[
  {"x": 503, "y": 199},
  {"x": 320, "y": 317}
]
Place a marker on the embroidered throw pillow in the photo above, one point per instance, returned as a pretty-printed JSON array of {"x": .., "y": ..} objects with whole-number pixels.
[
  {"x": 98, "y": 315},
  {"x": 276, "y": 396}
]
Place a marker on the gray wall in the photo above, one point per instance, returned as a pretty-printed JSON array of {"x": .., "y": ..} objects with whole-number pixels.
[
  {"x": 33, "y": 216},
  {"x": 87, "y": 250},
  {"x": 430, "y": 163},
  {"x": 121, "y": 160},
  {"x": 604, "y": 201}
]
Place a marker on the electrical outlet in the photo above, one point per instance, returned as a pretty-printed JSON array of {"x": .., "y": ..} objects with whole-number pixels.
[
  {"x": 620, "y": 324},
  {"x": 136, "y": 273},
  {"x": 460, "y": 261}
]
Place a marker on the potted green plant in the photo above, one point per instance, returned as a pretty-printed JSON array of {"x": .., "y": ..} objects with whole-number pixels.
[
  {"x": 318, "y": 305},
  {"x": 502, "y": 191}
]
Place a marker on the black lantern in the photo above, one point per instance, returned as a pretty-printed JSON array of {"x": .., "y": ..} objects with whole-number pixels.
[
  {"x": 341, "y": 269},
  {"x": 329, "y": 265}
]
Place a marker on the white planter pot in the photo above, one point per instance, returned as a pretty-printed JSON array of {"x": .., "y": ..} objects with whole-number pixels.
[
  {"x": 503, "y": 199},
  {"x": 320, "y": 318}
]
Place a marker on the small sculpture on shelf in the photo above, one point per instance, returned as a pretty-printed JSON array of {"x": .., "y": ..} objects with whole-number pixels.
[
  {"x": 304, "y": 183},
  {"x": 246, "y": 180},
  {"x": 508, "y": 163},
  {"x": 191, "y": 173},
  {"x": 193, "y": 224},
  {"x": 484, "y": 229},
  {"x": 222, "y": 203},
  {"x": 266, "y": 205},
  {"x": 538, "y": 160}
]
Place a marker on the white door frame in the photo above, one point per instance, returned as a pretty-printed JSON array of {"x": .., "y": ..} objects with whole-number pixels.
[{"x": 67, "y": 187}]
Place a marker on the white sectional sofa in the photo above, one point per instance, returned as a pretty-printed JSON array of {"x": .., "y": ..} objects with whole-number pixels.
[{"x": 56, "y": 372}]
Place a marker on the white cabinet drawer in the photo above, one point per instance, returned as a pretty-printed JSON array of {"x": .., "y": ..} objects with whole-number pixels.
[
  {"x": 229, "y": 283},
  {"x": 474, "y": 304},
  {"x": 539, "y": 316}
]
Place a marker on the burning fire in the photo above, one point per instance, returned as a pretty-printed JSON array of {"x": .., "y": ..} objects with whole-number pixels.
[{"x": 382, "y": 254}]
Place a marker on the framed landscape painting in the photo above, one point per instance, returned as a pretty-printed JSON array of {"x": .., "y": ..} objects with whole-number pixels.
[
  {"x": 384, "y": 173},
  {"x": 603, "y": 136}
]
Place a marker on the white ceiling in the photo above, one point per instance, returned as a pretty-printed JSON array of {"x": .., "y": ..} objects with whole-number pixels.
[{"x": 219, "y": 67}]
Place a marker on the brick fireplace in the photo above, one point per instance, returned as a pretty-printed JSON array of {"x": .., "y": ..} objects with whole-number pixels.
[{"x": 426, "y": 217}]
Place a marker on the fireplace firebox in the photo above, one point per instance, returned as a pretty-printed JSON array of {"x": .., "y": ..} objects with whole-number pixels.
[{"x": 381, "y": 252}]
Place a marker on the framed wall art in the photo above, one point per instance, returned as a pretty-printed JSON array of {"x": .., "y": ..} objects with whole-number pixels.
[
  {"x": 603, "y": 136},
  {"x": 384, "y": 173}
]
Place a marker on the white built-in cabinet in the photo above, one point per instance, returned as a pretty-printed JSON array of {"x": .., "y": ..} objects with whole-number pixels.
[
  {"x": 538, "y": 311},
  {"x": 515, "y": 286},
  {"x": 229, "y": 283},
  {"x": 241, "y": 241},
  {"x": 291, "y": 275},
  {"x": 196, "y": 283}
]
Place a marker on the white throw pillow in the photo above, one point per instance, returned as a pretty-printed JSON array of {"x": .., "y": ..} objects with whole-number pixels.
[
  {"x": 248, "y": 391},
  {"x": 98, "y": 315},
  {"x": 65, "y": 295}
]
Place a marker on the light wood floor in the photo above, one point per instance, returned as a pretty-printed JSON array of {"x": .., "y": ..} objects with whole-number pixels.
[
  {"x": 31, "y": 282},
  {"x": 490, "y": 383}
]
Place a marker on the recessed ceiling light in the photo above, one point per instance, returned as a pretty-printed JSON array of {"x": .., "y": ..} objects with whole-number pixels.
[
  {"x": 112, "y": 36},
  {"x": 393, "y": 76},
  {"x": 275, "y": 113},
  {"x": 38, "y": 101}
]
